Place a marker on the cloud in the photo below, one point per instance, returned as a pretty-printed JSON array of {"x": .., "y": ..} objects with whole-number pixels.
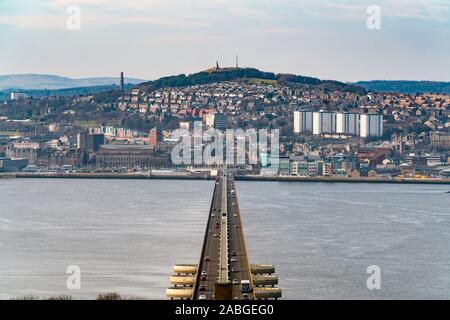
[
  {"x": 182, "y": 38},
  {"x": 418, "y": 9},
  {"x": 431, "y": 10},
  {"x": 198, "y": 14},
  {"x": 34, "y": 22},
  {"x": 265, "y": 31},
  {"x": 114, "y": 4},
  {"x": 117, "y": 20},
  {"x": 251, "y": 13},
  {"x": 93, "y": 18}
]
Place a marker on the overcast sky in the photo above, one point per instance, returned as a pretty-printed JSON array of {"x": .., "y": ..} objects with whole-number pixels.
[{"x": 152, "y": 38}]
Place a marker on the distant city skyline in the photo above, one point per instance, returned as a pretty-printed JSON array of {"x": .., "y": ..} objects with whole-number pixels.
[{"x": 327, "y": 39}]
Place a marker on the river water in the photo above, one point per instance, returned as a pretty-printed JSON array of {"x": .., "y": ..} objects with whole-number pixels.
[{"x": 125, "y": 235}]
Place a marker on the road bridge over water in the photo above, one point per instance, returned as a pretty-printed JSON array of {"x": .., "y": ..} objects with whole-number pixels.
[{"x": 223, "y": 271}]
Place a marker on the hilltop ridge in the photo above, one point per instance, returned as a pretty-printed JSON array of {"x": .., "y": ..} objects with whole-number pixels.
[
  {"x": 241, "y": 74},
  {"x": 406, "y": 86}
]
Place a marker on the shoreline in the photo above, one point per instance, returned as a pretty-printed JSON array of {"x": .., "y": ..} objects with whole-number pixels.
[{"x": 135, "y": 176}]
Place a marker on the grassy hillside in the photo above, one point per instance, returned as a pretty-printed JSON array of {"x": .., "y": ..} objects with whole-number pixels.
[{"x": 251, "y": 74}]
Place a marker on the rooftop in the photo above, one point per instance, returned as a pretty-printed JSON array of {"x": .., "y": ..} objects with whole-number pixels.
[{"x": 125, "y": 147}]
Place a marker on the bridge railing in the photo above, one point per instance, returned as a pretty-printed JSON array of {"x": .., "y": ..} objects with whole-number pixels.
[
  {"x": 194, "y": 292},
  {"x": 241, "y": 231}
]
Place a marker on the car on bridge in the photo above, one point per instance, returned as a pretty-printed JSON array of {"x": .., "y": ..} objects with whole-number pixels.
[{"x": 245, "y": 286}]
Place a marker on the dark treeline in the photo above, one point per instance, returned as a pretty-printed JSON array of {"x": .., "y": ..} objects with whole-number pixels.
[{"x": 406, "y": 87}]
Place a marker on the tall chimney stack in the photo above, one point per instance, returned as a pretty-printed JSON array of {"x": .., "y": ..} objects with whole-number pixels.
[{"x": 122, "y": 82}]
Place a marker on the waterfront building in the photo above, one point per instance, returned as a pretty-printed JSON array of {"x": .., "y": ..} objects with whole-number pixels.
[
  {"x": 130, "y": 157},
  {"x": 12, "y": 165},
  {"x": 299, "y": 168},
  {"x": 23, "y": 150},
  {"x": 313, "y": 169},
  {"x": 324, "y": 168},
  {"x": 90, "y": 142},
  {"x": 304, "y": 166},
  {"x": 343, "y": 165},
  {"x": 294, "y": 168},
  {"x": 284, "y": 165},
  {"x": 74, "y": 158}
]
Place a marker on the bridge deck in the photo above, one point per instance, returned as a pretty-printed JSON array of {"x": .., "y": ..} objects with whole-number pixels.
[
  {"x": 209, "y": 249},
  {"x": 237, "y": 242},
  {"x": 232, "y": 264}
]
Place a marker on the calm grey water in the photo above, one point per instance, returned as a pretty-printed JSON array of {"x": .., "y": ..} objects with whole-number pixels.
[{"x": 126, "y": 234}]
